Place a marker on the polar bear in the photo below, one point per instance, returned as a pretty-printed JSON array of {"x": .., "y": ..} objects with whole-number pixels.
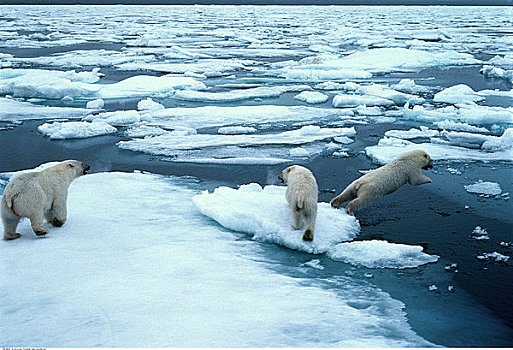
[
  {"x": 37, "y": 194},
  {"x": 385, "y": 180},
  {"x": 301, "y": 196}
]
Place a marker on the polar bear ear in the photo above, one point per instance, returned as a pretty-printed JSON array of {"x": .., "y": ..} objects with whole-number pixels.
[{"x": 71, "y": 165}]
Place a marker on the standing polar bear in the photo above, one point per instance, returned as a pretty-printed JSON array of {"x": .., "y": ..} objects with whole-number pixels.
[
  {"x": 37, "y": 194},
  {"x": 302, "y": 198},
  {"x": 385, "y": 180}
]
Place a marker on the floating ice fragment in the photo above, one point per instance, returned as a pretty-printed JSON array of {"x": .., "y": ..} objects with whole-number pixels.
[
  {"x": 299, "y": 152},
  {"x": 432, "y": 288},
  {"x": 75, "y": 130},
  {"x": 315, "y": 263},
  {"x": 116, "y": 118},
  {"x": 455, "y": 126},
  {"x": 13, "y": 110},
  {"x": 457, "y": 94},
  {"x": 494, "y": 256},
  {"x": 357, "y": 100},
  {"x": 236, "y": 130},
  {"x": 412, "y": 133},
  {"x": 311, "y": 97},
  {"x": 486, "y": 188},
  {"x": 95, "y": 104},
  {"x": 149, "y": 105},
  {"x": 237, "y": 95},
  {"x": 380, "y": 254}
]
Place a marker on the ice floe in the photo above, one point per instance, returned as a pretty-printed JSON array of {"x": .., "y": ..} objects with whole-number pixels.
[
  {"x": 494, "y": 72},
  {"x": 412, "y": 133},
  {"x": 235, "y": 130},
  {"x": 149, "y": 105},
  {"x": 494, "y": 256},
  {"x": 14, "y": 110},
  {"x": 456, "y": 126},
  {"x": 236, "y": 95},
  {"x": 380, "y": 254},
  {"x": 75, "y": 130},
  {"x": 484, "y": 188},
  {"x": 168, "y": 144},
  {"x": 261, "y": 114},
  {"x": 470, "y": 113},
  {"x": 265, "y": 214},
  {"x": 95, "y": 104},
  {"x": 116, "y": 118}
]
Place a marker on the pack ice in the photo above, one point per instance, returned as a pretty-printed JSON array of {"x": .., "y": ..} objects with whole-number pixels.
[{"x": 143, "y": 255}]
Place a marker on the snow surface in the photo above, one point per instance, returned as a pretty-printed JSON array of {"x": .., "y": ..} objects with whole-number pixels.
[
  {"x": 381, "y": 254},
  {"x": 75, "y": 130},
  {"x": 131, "y": 239}
]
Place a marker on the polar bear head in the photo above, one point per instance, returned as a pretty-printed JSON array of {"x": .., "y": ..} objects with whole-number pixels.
[
  {"x": 418, "y": 158},
  {"x": 284, "y": 176},
  {"x": 72, "y": 168}
]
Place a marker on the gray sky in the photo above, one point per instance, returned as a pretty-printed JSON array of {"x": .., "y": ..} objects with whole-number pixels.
[{"x": 274, "y": 2}]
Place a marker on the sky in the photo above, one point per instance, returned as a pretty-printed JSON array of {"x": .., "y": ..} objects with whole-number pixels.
[{"x": 267, "y": 2}]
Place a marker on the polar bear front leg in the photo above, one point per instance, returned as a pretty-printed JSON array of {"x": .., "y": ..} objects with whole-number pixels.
[
  {"x": 58, "y": 213},
  {"x": 419, "y": 179}
]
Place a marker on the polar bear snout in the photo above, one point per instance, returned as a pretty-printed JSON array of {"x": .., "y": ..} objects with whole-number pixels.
[
  {"x": 85, "y": 168},
  {"x": 429, "y": 165},
  {"x": 280, "y": 177}
]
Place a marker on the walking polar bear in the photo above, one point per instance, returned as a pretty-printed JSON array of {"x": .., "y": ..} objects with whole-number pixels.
[
  {"x": 35, "y": 195},
  {"x": 301, "y": 196},
  {"x": 385, "y": 180}
]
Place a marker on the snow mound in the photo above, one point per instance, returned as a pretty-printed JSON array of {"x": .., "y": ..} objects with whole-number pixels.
[
  {"x": 381, "y": 254},
  {"x": 75, "y": 130},
  {"x": 485, "y": 188},
  {"x": 264, "y": 213}
]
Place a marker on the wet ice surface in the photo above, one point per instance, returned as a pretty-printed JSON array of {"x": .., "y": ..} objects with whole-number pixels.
[{"x": 233, "y": 99}]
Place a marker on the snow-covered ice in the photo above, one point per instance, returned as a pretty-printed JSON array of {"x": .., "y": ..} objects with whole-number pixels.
[
  {"x": 237, "y": 95},
  {"x": 457, "y": 94},
  {"x": 75, "y": 130},
  {"x": 235, "y": 130},
  {"x": 412, "y": 133},
  {"x": 13, "y": 110},
  {"x": 381, "y": 254},
  {"x": 265, "y": 214},
  {"x": 358, "y": 100},
  {"x": 132, "y": 239}
]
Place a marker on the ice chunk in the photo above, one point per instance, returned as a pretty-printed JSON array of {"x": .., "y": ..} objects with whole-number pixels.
[
  {"x": 13, "y": 110},
  {"x": 357, "y": 100},
  {"x": 457, "y": 94},
  {"x": 47, "y": 84},
  {"x": 409, "y": 86},
  {"x": 400, "y": 59},
  {"x": 168, "y": 144},
  {"x": 494, "y": 256},
  {"x": 388, "y": 148},
  {"x": 236, "y": 95},
  {"x": 209, "y": 116},
  {"x": 312, "y": 97},
  {"x": 380, "y": 254},
  {"x": 412, "y": 133},
  {"x": 95, "y": 104},
  {"x": 387, "y": 93},
  {"x": 203, "y": 66},
  {"x": 331, "y": 85},
  {"x": 494, "y": 72},
  {"x": 147, "y": 85},
  {"x": 343, "y": 140},
  {"x": 486, "y": 188},
  {"x": 231, "y": 160},
  {"x": 142, "y": 130},
  {"x": 149, "y": 105},
  {"x": 116, "y": 118},
  {"x": 503, "y": 142},
  {"x": 314, "y": 263},
  {"x": 466, "y": 113},
  {"x": 75, "y": 130},
  {"x": 299, "y": 152},
  {"x": 264, "y": 213},
  {"x": 236, "y": 130},
  {"x": 452, "y": 125},
  {"x": 480, "y": 233}
]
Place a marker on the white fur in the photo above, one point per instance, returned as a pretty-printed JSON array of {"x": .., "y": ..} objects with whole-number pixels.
[
  {"x": 36, "y": 195},
  {"x": 301, "y": 196},
  {"x": 385, "y": 180}
]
